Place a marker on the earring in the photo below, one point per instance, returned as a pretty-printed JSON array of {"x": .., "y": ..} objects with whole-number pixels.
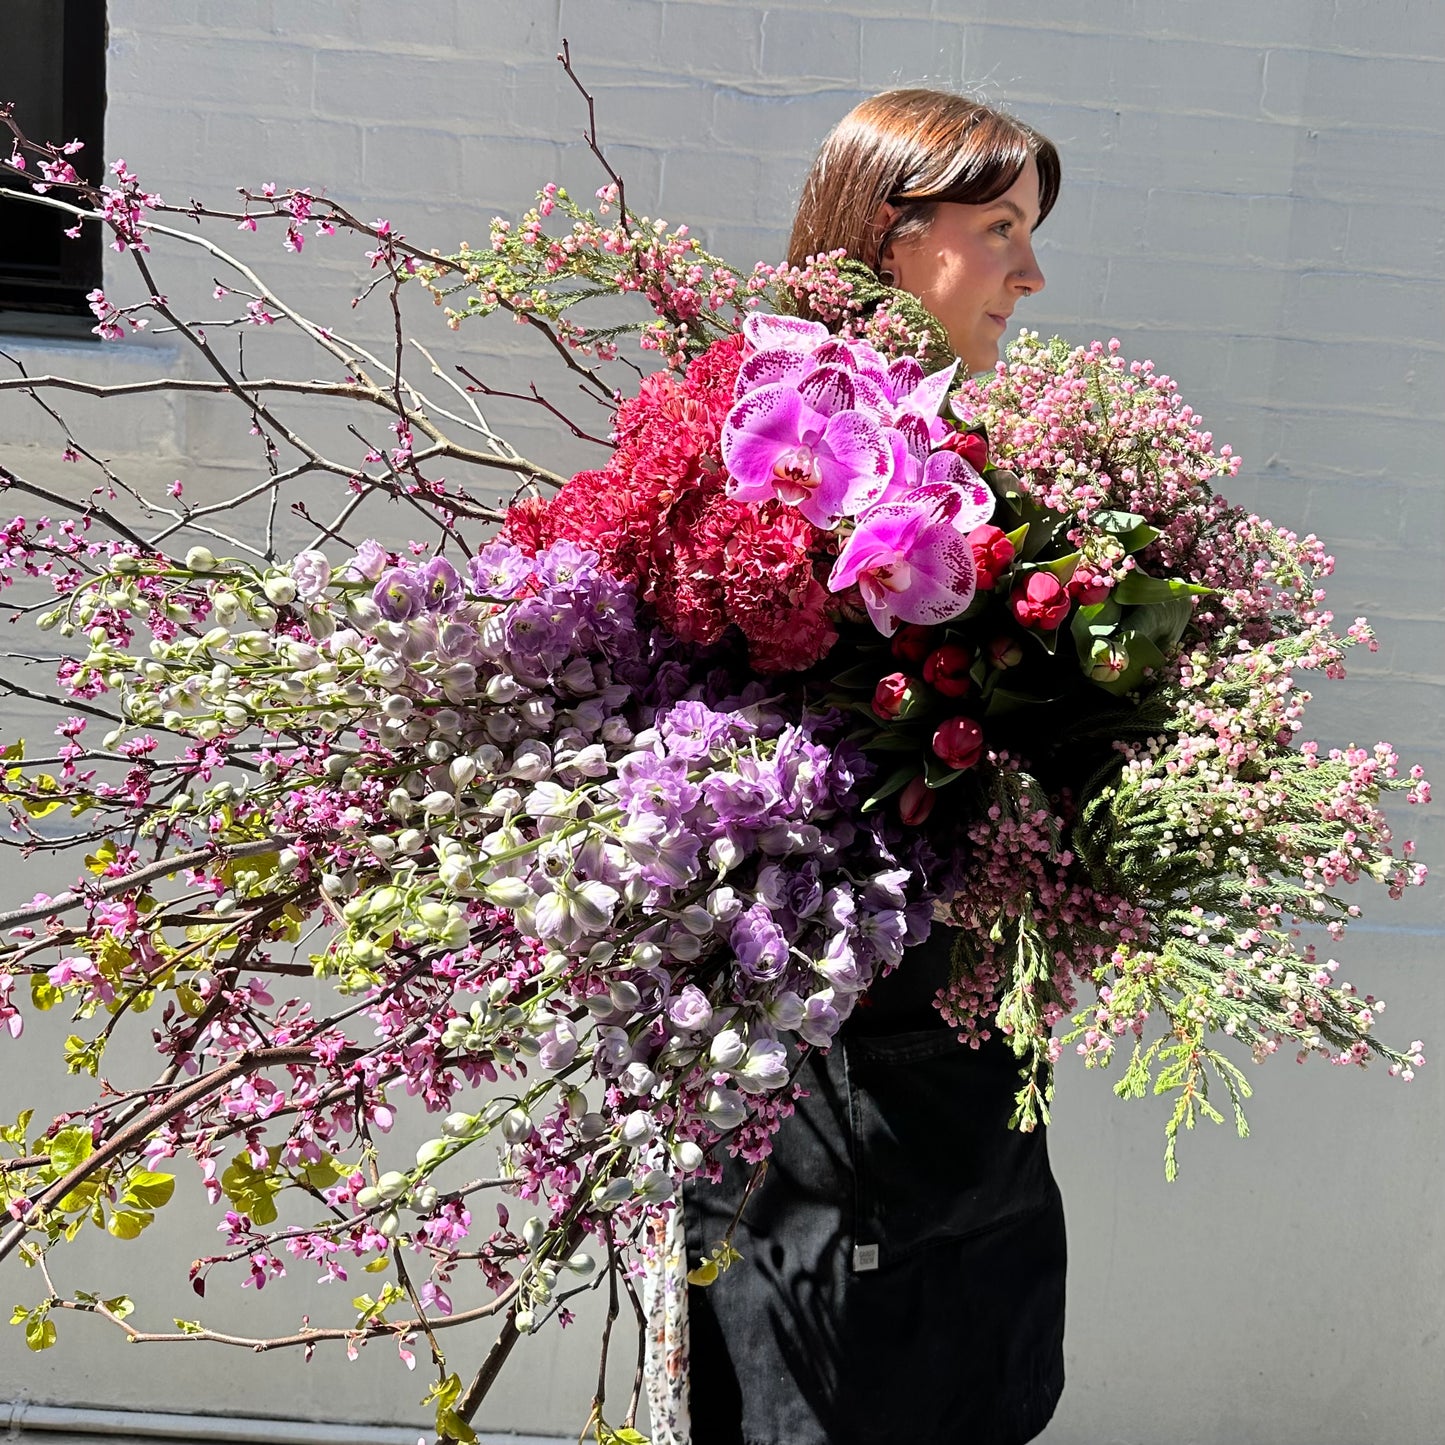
[{"x": 887, "y": 278}]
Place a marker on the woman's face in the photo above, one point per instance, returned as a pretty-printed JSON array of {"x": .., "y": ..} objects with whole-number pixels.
[{"x": 972, "y": 265}]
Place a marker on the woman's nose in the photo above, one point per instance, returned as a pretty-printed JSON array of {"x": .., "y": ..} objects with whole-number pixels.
[{"x": 1029, "y": 278}]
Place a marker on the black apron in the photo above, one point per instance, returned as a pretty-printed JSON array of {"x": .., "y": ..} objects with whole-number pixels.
[{"x": 903, "y": 1259}]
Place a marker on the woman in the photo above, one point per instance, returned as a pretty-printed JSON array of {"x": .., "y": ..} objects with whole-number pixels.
[{"x": 902, "y": 1271}]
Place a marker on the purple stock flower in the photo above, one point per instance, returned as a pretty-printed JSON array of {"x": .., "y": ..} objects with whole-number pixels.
[
  {"x": 368, "y": 564},
  {"x": 442, "y": 583},
  {"x": 807, "y": 445},
  {"x": 311, "y": 573},
  {"x": 690, "y": 1009},
  {"x": 911, "y": 559},
  {"x": 748, "y": 797},
  {"x": 820, "y": 1020},
  {"x": 693, "y": 730},
  {"x": 796, "y": 892},
  {"x": 400, "y": 594},
  {"x": 499, "y": 570},
  {"x": 765, "y": 1068},
  {"x": 536, "y": 626},
  {"x": 759, "y": 945},
  {"x": 565, "y": 564},
  {"x": 650, "y": 785}
]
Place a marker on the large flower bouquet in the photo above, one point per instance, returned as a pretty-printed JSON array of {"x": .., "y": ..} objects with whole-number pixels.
[{"x": 579, "y": 835}]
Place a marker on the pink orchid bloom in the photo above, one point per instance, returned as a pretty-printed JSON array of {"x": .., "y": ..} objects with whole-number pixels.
[
  {"x": 914, "y": 464},
  {"x": 911, "y": 559},
  {"x": 807, "y": 445}
]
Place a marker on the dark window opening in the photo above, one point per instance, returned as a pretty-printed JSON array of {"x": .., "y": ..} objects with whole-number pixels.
[{"x": 52, "y": 66}]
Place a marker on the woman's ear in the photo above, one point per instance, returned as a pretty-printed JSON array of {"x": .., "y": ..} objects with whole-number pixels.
[{"x": 883, "y": 219}]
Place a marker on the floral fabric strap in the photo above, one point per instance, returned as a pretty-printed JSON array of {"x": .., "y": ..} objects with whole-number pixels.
[{"x": 665, "y": 1300}]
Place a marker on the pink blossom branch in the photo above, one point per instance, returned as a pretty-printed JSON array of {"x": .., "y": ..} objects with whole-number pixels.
[{"x": 73, "y": 898}]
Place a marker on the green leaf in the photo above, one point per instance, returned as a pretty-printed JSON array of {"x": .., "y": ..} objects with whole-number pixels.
[
  {"x": 19, "y": 1315},
  {"x": 42, "y": 808},
  {"x": 40, "y": 1332},
  {"x": 1062, "y": 567},
  {"x": 1137, "y": 589},
  {"x": 606, "y": 1435},
  {"x": 1133, "y": 532},
  {"x": 864, "y": 674},
  {"x": 15, "y": 1133},
  {"x": 1163, "y": 623},
  {"x": 120, "y": 1305},
  {"x": 895, "y": 782},
  {"x": 251, "y": 1189},
  {"x": 82, "y": 1056},
  {"x": 190, "y": 1327},
  {"x": 890, "y": 742},
  {"x": 67, "y": 1149},
  {"x": 444, "y": 1392},
  {"x": 44, "y": 994},
  {"x": 937, "y": 774},
  {"x": 128, "y": 1223},
  {"x": 451, "y": 1426},
  {"x": 148, "y": 1190},
  {"x": 324, "y": 1173},
  {"x": 1004, "y": 700}
]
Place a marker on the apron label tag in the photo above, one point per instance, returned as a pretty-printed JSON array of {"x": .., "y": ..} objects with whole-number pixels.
[{"x": 865, "y": 1257}]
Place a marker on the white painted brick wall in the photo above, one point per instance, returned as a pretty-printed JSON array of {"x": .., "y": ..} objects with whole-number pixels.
[{"x": 1253, "y": 197}]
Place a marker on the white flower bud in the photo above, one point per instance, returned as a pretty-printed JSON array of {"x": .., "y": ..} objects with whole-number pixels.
[
  {"x": 280, "y": 590},
  {"x": 689, "y": 1156},
  {"x": 638, "y": 1129},
  {"x": 200, "y": 559},
  {"x": 728, "y": 1049}
]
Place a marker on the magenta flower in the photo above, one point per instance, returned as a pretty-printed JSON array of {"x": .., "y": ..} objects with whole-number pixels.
[
  {"x": 911, "y": 559},
  {"x": 764, "y": 332},
  {"x": 808, "y": 446}
]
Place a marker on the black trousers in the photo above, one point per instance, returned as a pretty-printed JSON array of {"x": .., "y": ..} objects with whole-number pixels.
[{"x": 903, "y": 1259}]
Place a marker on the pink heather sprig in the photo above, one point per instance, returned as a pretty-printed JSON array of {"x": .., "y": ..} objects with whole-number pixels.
[
  {"x": 695, "y": 296},
  {"x": 1085, "y": 431}
]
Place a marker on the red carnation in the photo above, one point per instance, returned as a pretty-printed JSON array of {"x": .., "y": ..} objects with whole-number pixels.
[
  {"x": 1039, "y": 602},
  {"x": 992, "y": 553}
]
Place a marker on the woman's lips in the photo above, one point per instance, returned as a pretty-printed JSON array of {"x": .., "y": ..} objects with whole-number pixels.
[{"x": 1000, "y": 321}]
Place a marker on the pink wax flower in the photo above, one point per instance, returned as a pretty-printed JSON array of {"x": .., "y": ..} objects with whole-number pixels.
[
  {"x": 946, "y": 669},
  {"x": 958, "y": 742},
  {"x": 808, "y": 446},
  {"x": 896, "y": 696},
  {"x": 911, "y": 559},
  {"x": 915, "y": 802},
  {"x": 1040, "y": 601}
]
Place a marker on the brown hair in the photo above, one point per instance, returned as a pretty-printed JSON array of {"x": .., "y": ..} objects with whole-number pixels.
[{"x": 913, "y": 149}]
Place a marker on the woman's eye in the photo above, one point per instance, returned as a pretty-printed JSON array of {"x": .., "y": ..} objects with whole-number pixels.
[{"x": 1003, "y": 227}]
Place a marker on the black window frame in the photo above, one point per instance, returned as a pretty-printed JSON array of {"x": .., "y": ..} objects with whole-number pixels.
[{"x": 60, "y": 290}]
